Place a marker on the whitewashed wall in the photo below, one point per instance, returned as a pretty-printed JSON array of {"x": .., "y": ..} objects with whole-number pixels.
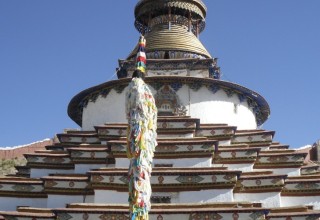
[
  {"x": 109, "y": 196},
  {"x": 268, "y": 200},
  {"x": 11, "y": 203},
  {"x": 37, "y": 173},
  {"x": 301, "y": 201},
  {"x": 246, "y": 167},
  {"x": 203, "y": 104},
  {"x": 187, "y": 162},
  {"x": 217, "y": 108},
  {"x": 58, "y": 201},
  {"x": 109, "y": 109},
  {"x": 202, "y": 196},
  {"x": 284, "y": 171},
  {"x": 84, "y": 168}
]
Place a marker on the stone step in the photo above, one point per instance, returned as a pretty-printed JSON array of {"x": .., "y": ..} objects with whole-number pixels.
[
  {"x": 90, "y": 155},
  {"x": 167, "y": 179},
  {"x": 112, "y": 131},
  {"x": 216, "y": 131},
  {"x": 80, "y": 137},
  {"x": 33, "y": 210},
  {"x": 171, "y": 148},
  {"x": 57, "y": 147},
  {"x": 310, "y": 169},
  {"x": 49, "y": 159},
  {"x": 164, "y": 212},
  {"x": 305, "y": 186},
  {"x": 240, "y": 211},
  {"x": 278, "y": 146},
  {"x": 64, "y": 189},
  {"x": 23, "y": 187},
  {"x": 259, "y": 182},
  {"x": 50, "y": 152},
  {"x": 30, "y": 213},
  {"x": 22, "y": 171},
  {"x": 42, "y": 164},
  {"x": 177, "y": 126},
  {"x": 69, "y": 184},
  {"x": 292, "y": 212},
  {"x": 27, "y": 216},
  {"x": 253, "y": 136},
  {"x": 172, "y": 126},
  {"x": 265, "y": 145},
  {"x": 294, "y": 215},
  {"x": 235, "y": 155},
  {"x": 16, "y": 192},
  {"x": 215, "y": 205},
  {"x": 280, "y": 158},
  {"x": 65, "y": 147},
  {"x": 191, "y": 152},
  {"x": 281, "y": 161}
]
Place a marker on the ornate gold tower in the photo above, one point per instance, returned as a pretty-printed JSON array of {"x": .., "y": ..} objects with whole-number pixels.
[{"x": 172, "y": 29}]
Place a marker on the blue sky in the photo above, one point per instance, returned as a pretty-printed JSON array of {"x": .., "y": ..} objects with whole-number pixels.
[{"x": 51, "y": 50}]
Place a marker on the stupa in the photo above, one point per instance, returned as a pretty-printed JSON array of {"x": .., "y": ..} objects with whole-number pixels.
[{"x": 212, "y": 160}]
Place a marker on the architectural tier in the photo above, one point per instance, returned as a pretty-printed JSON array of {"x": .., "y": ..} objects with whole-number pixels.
[
  {"x": 210, "y": 167},
  {"x": 213, "y": 160}
]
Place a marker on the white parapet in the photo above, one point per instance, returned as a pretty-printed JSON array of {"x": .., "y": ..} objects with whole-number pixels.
[
  {"x": 84, "y": 168},
  {"x": 313, "y": 200},
  {"x": 245, "y": 167},
  {"x": 184, "y": 162},
  {"x": 202, "y": 196},
  {"x": 284, "y": 171},
  {"x": 11, "y": 203},
  {"x": 38, "y": 173},
  {"x": 109, "y": 196},
  {"x": 58, "y": 201},
  {"x": 268, "y": 199}
]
